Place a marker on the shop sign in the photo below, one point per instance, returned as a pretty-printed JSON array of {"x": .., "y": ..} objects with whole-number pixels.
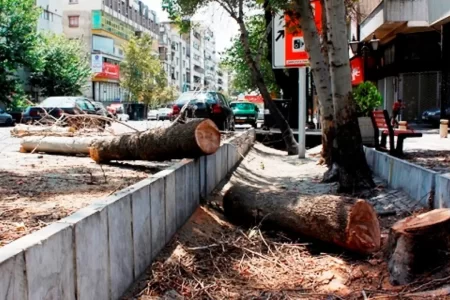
[{"x": 109, "y": 71}]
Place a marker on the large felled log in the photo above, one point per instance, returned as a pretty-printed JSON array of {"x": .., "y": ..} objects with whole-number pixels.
[
  {"x": 418, "y": 244},
  {"x": 58, "y": 145},
  {"x": 347, "y": 222},
  {"x": 191, "y": 140},
  {"x": 28, "y": 130}
]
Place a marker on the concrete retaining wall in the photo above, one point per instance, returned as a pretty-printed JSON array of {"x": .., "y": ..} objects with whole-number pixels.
[
  {"x": 100, "y": 250},
  {"x": 418, "y": 182}
]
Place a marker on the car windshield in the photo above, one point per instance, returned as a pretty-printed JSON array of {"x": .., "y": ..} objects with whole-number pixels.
[
  {"x": 242, "y": 106},
  {"x": 200, "y": 97},
  {"x": 63, "y": 102}
]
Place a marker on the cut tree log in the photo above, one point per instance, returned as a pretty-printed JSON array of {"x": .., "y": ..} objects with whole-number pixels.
[
  {"x": 347, "y": 222},
  {"x": 58, "y": 145},
  {"x": 190, "y": 140},
  {"x": 29, "y": 130},
  {"x": 418, "y": 244}
]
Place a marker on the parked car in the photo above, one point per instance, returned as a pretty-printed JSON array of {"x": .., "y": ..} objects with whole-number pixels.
[
  {"x": 153, "y": 114},
  {"x": 433, "y": 116},
  {"x": 102, "y": 109},
  {"x": 245, "y": 112},
  {"x": 165, "y": 112},
  {"x": 210, "y": 105},
  {"x": 5, "y": 118},
  {"x": 58, "y": 106}
]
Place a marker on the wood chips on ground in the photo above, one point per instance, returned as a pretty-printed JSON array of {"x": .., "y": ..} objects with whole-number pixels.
[{"x": 210, "y": 258}]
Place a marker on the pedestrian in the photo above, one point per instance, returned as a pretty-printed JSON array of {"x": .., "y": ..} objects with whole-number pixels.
[{"x": 396, "y": 108}]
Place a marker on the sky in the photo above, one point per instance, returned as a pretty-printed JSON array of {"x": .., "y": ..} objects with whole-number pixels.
[{"x": 220, "y": 22}]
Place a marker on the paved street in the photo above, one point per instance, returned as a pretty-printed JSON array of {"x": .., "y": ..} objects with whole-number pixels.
[{"x": 9, "y": 144}]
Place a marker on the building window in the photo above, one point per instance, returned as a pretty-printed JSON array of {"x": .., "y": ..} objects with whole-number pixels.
[
  {"x": 74, "y": 21},
  {"x": 73, "y": 1}
]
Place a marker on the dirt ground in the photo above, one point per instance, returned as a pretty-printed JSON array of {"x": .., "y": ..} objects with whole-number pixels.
[
  {"x": 436, "y": 160},
  {"x": 210, "y": 258},
  {"x": 38, "y": 189}
]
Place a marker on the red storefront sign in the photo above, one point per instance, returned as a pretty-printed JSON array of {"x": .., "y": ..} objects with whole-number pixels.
[
  {"x": 357, "y": 68},
  {"x": 254, "y": 99},
  {"x": 109, "y": 71}
]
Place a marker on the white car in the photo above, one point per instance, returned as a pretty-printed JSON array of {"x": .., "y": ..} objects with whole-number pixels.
[
  {"x": 123, "y": 117},
  {"x": 153, "y": 114},
  {"x": 164, "y": 113}
]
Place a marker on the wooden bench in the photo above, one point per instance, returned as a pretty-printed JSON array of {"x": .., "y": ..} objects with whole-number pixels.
[{"x": 381, "y": 122}]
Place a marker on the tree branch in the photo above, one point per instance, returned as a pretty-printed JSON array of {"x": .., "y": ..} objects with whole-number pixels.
[
  {"x": 261, "y": 43},
  {"x": 228, "y": 8}
]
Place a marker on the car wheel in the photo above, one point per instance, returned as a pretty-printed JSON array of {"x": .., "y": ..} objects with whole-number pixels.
[{"x": 254, "y": 125}]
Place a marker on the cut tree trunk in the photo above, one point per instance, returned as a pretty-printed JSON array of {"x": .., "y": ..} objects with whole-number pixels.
[
  {"x": 191, "y": 140},
  {"x": 57, "y": 145},
  {"x": 354, "y": 172},
  {"x": 27, "y": 130},
  {"x": 347, "y": 222},
  {"x": 418, "y": 244}
]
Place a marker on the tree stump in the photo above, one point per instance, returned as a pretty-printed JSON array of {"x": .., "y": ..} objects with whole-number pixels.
[
  {"x": 347, "y": 222},
  {"x": 417, "y": 244}
]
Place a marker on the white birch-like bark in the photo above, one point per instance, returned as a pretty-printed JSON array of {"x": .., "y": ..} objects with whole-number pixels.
[{"x": 321, "y": 74}]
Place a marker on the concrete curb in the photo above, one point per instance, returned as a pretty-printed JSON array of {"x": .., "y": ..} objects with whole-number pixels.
[
  {"x": 418, "y": 182},
  {"x": 100, "y": 250}
]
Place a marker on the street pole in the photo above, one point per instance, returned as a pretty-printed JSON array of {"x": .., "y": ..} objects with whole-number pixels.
[{"x": 301, "y": 112}]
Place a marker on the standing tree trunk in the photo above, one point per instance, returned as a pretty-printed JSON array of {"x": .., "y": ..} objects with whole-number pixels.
[
  {"x": 288, "y": 83},
  {"x": 349, "y": 155},
  {"x": 286, "y": 132},
  {"x": 320, "y": 70}
]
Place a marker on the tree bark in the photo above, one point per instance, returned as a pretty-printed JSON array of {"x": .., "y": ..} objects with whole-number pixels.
[
  {"x": 57, "y": 145},
  {"x": 191, "y": 140},
  {"x": 346, "y": 222},
  {"x": 418, "y": 244},
  {"x": 27, "y": 130},
  {"x": 320, "y": 70},
  {"x": 287, "y": 134},
  {"x": 349, "y": 155}
]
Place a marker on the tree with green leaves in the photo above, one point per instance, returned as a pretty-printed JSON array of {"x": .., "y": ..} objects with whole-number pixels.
[
  {"x": 18, "y": 43},
  {"x": 181, "y": 10},
  {"x": 234, "y": 58},
  {"x": 64, "y": 68},
  {"x": 142, "y": 73}
]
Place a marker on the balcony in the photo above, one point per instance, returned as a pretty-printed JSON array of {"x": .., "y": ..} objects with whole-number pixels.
[
  {"x": 198, "y": 69},
  {"x": 391, "y": 17}
]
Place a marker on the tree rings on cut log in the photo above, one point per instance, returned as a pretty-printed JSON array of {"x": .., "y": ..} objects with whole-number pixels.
[
  {"x": 347, "y": 222},
  {"x": 190, "y": 140},
  {"x": 418, "y": 244}
]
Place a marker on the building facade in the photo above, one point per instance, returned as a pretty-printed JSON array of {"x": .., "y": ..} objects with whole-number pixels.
[
  {"x": 189, "y": 59},
  {"x": 50, "y": 19},
  {"x": 105, "y": 26},
  {"x": 412, "y": 62}
]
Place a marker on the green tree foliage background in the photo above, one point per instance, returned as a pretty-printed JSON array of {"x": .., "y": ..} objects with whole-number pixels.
[
  {"x": 234, "y": 58},
  {"x": 143, "y": 75},
  {"x": 64, "y": 68},
  {"x": 18, "y": 44}
]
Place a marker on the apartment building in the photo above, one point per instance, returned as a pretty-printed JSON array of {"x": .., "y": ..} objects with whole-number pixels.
[
  {"x": 105, "y": 26},
  {"x": 223, "y": 79},
  {"x": 412, "y": 62},
  {"x": 174, "y": 56},
  {"x": 50, "y": 19},
  {"x": 189, "y": 59}
]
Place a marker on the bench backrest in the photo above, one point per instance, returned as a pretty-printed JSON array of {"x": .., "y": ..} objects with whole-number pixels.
[{"x": 380, "y": 119}]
